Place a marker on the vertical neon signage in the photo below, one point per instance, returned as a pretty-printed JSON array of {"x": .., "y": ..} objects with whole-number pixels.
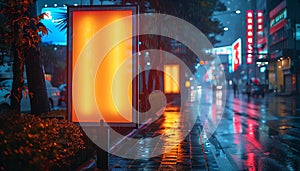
[
  {"x": 249, "y": 36},
  {"x": 260, "y": 22},
  {"x": 260, "y": 31}
]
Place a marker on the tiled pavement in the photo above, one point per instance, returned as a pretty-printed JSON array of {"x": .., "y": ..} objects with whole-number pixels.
[{"x": 189, "y": 154}]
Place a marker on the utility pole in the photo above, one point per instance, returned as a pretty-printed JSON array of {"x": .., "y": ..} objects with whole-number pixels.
[{"x": 255, "y": 36}]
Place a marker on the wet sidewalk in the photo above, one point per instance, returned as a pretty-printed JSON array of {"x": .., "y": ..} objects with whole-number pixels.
[{"x": 189, "y": 154}]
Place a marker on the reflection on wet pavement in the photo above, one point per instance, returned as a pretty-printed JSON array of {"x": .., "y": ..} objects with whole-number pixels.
[
  {"x": 229, "y": 134},
  {"x": 187, "y": 153},
  {"x": 262, "y": 134}
]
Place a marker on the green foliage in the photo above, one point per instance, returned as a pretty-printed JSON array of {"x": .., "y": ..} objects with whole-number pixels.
[
  {"x": 63, "y": 20},
  {"x": 20, "y": 35},
  {"x": 55, "y": 114},
  {"x": 17, "y": 27},
  {"x": 28, "y": 142},
  {"x": 197, "y": 12},
  {"x": 55, "y": 57}
]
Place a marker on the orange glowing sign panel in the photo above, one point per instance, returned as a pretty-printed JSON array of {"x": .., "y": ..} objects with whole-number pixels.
[
  {"x": 187, "y": 84},
  {"x": 100, "y": 64},
  {"x": 171, "y": 79}
]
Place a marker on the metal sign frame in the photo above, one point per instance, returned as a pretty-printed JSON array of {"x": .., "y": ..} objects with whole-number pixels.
[{"x": 70, "y": 110}]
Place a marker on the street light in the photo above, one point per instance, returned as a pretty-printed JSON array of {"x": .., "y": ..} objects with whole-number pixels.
[
  {"x": 218, "y": 14},
  {"x": 226, "y": 20},
  {"x": 225, "y": 28},
  {"x": 227, "y": 12}
]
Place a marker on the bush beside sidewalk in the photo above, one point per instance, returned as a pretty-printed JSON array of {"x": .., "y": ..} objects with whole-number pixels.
[{"x": 29, "y": 142}]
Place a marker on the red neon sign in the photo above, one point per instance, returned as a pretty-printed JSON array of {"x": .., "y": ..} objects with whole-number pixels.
[
  {"x": 260, "y": 22},
  {"x": 249, "y": 36},
  {"x": 236, "y": 54}
]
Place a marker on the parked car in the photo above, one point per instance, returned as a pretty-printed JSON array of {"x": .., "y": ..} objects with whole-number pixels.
[
  {"x": 258, "y": 90},
  {"x": 4, "y": 106},
  {"x": 217, "y": 87},
  {"x": 244, "y": 90},
  {"x": 63, "y": 94},
  {"x": 6, "y": 85}
]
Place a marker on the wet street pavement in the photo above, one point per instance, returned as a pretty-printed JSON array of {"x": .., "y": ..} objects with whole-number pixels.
[
  {"x": 189, "y": 154},
  {"x": 262, "y": 133},
  {"x": 229, "y": 134}
]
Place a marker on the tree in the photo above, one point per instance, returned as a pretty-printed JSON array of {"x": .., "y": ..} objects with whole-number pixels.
[
  {"x": 197, "y": 12},
  {"x": 54, "y": 62},
  {"x": 20, "y": 32}
]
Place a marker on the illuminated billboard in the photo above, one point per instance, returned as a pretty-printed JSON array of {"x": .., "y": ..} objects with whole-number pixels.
[
  {"x": 171, "y": 79},
  {"x": 236, "y": 54},
  {"x": 278, "y": 17},
  {"x": 54, "y": 16},
  {"x": 101, "y": 65}
]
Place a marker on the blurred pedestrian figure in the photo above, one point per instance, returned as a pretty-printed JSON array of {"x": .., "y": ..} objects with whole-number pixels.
[
  {"x": 234, "y": 89},
  {"x": 248, "y": 89}
]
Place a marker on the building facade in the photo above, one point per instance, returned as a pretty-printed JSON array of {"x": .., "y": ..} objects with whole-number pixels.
[{"x": 284, "y": 45}]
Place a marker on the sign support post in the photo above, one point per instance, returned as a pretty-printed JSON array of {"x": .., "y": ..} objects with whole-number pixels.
[{"x": 101, "y": 68}]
